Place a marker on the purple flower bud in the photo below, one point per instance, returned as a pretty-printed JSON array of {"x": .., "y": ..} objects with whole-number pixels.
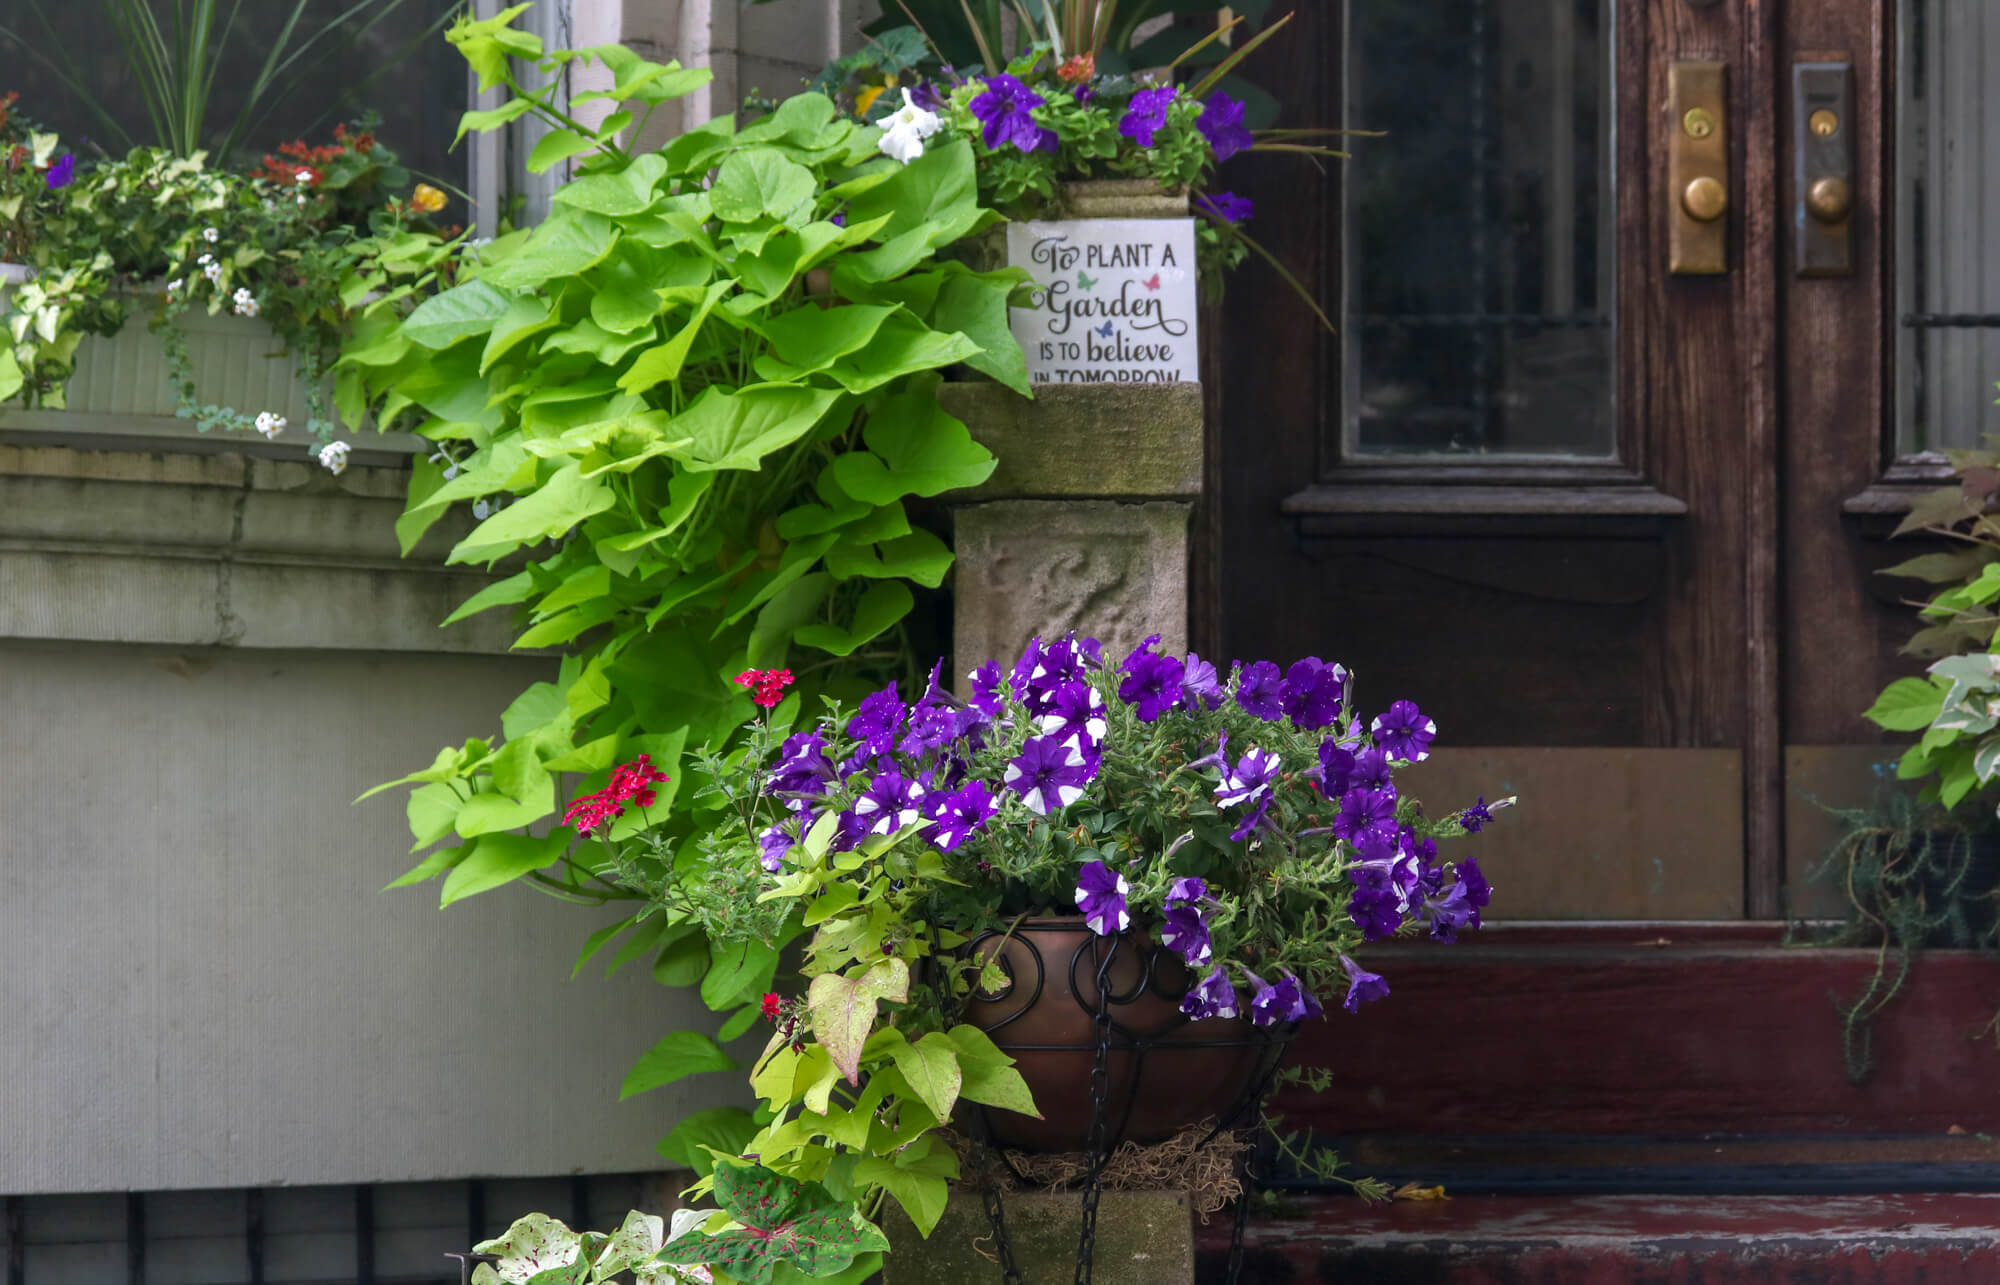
[{"x": 1363, "y": 986}]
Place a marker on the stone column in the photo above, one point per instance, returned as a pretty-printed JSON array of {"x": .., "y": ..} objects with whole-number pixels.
[{"x": 1084, "y": 523}]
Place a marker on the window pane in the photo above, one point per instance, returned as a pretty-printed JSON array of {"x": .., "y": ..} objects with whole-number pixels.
[
  {"x": 1480, "y": 232},
  {"x": 1947, "y": 259},
  {"x": 380, "y": 58}
]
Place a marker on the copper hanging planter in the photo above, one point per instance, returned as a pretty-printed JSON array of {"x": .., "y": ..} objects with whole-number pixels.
[{"x": 1165, "y": 1071}]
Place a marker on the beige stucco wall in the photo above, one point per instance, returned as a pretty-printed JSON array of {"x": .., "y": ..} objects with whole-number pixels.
[{"x": 200, "y": 981}]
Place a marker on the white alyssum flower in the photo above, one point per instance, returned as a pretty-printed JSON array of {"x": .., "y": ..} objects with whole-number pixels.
[
  {"x": 245, "y": 303},
  {"x": 270, "y": 425},
  {"x": 303, "y": 176},
  {"x": 904, "y": 132},
  {"x": 210, "y": 235},
  {"x": 174, "y": 286},
  {"x": 205, "y": 259},
  {"x": 213, "y": 272},
  {"x": 333, "y": 456}
]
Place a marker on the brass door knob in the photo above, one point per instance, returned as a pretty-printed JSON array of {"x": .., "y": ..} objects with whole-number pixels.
[
  {"x": 1830, "y": 199},
  {"x": 1705, "y": 199}
]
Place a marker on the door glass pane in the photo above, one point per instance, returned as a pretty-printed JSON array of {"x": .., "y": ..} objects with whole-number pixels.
[
  {"x": 386, "y": 57},
  {"x": 1480, "y": 231},
  {"x": 1947, "y": 255}
]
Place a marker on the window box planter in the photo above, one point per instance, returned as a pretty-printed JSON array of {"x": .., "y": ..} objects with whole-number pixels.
[{"x": 121, "y": 390}]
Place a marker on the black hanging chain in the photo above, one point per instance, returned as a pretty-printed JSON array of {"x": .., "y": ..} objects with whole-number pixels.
[
  {"x": 1100, "y": 1083},
  {"x": 1240, "y": 1224},
  {"x": 1001, "y": 1245}
]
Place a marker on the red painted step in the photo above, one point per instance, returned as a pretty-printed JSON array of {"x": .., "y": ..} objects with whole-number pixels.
[{"x": 1908, "y": 1239}]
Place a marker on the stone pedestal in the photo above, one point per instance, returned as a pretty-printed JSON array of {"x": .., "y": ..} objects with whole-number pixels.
[
  {"x": 1084, "y": 523},
  {"x": 1143, "y": 1238}
]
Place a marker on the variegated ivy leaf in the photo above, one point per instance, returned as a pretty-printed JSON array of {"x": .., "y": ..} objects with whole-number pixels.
[
  {"x": 1976, "y": 668},
  {"x": 1986, "y": 759},
  {"x": 635, "y": 1242},
  {"x": 533, "y": 1245}
]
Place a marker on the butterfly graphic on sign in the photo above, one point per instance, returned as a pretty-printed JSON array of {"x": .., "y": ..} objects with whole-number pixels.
[
  {"x": 1086, "y": 283},
  {"x": 1152, "y": 283},
  {"x": 1105, "y": 330}
]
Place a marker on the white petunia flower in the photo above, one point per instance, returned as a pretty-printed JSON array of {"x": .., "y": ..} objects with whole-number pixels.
[
  {"x": 334, "y": 457},
  {"x": 270, "y": 425},
  {"x": 213, "y": 272},
  {"x": 210, "y": 235},
  {"x": 904, "y": 132},
  {"x": 245, "y": 303}
]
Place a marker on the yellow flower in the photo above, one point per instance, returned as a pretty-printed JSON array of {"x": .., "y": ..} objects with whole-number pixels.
[{"x": 427, "y": 199}]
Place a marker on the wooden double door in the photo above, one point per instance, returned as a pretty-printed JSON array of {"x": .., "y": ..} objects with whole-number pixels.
[{"x": 1623, "y": 401}]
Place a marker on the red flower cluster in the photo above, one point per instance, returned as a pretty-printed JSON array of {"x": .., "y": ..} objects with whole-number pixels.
[
  {"x": 630, "y": 783},
  {"x": 297, "y": 156},
  {"x": 364, "y": 142},
  {"x": 772, "y": 1006},
  {"x": 768, "y": 685},
  {"x": 1077, "y": 70}
]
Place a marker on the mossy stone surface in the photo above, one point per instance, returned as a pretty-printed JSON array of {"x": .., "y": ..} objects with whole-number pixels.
[
  {"x": 1143, "y": 1238},
  {"x": 1084, "y": 441}
]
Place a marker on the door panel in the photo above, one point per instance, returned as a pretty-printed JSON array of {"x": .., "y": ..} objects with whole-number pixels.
[{"x": 1532, "y": 605}]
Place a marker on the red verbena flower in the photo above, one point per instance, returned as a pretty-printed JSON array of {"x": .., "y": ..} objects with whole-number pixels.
[
  {"x": 591, "y": 811},
  {"x": 633, "y": 782},
  {"x": 767, "y": 685},
  {"x": 771, "y": 1006}
]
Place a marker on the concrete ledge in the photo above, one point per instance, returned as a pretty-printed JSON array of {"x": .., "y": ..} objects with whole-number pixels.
[
  {"x": 1112, "y": 441},
  {"x": 1143, "y": 1238},
  {"x": 223, "y": 550}
]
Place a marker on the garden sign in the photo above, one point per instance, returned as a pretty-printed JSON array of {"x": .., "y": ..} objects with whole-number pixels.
[{"x": 1114, "y": 300}]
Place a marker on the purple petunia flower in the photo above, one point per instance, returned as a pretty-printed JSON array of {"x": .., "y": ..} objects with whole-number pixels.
[
  {"x": 1221, "y": 123},
  {"x": 1100, "y": 894},
  {"x": 1312, "y": 692},
  {"x": 958, "y": 813},
  {"x": 1251, "y": 779},
  {"x": 849, "y": 832},
  {"x": 1474, "y": 818},
  {"x": 1213, "y": 996},
  {"x": 1048, "y": 775},
  {"x": 889, "y": 803},
  {"x": 838, "y": 218},
  {"x": 1076, "y": 716},
  {"x": 1367, "y": 819},
  {"x": 1378, "y": 912},
  {"x": 986, "y": 688},
  {"x": 1362, "y": 987},
  {"x": 1006, "y": 110},
  {"x": 1257, "y": 690},
  {"x": 1184, "y": 930},
  {"x": 1286, "y": 1001},
  {"x": 772, "y": 846},
  {"x": 1477, "y": 890},
  {"x": 934, "y": 722},
  {"x": 1371, "y": 770},
  {"x": 1187, "y": 891},
  {"x": 1336, "y": 768},
  {"x": 1083, "y": 94},
  {"x": 1146, "y": 114},
  {"x": 926, "y": 96},
  {"x": 803, "y": 770},
  {"x": 876, "y": 723},
  {"x": 1152, "y": 681},
  {"x": 1225, "y": 207},
  {"x": 1404, "y": 733},
  {"x": 62, "y": 172},
  {"x": 1199, "y": 682}
]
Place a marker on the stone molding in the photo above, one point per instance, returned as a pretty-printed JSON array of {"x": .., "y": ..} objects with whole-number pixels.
[
  {"x": 1120, "y": 441},
  {"x": 223, "y": 550}
]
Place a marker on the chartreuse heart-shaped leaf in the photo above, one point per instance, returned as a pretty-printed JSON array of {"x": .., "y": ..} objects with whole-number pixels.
[{"x": 843, "y": 1009}]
